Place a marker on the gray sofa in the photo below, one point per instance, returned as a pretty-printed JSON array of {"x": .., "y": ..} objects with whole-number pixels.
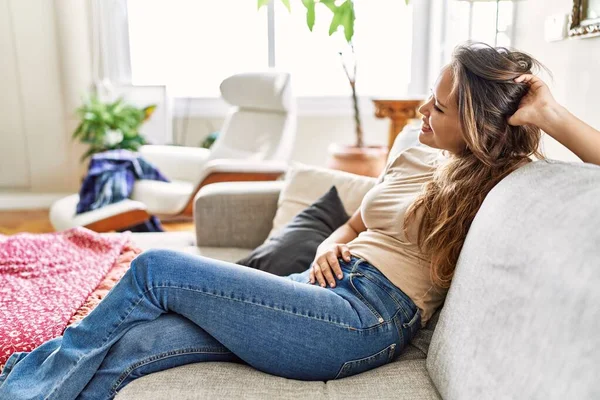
[{"x": 521, "y": 320}]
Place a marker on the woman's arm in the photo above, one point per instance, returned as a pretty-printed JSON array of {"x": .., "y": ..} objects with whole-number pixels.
[
  {"x": 348, "y": 231},
  {"x": 539, "y": 108},
  {"x": 326, "y": 262}
]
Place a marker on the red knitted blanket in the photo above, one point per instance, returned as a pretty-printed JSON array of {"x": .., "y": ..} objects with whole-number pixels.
[{"x": 49, "y": 281}]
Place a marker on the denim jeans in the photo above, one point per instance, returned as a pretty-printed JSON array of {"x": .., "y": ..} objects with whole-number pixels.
[{"x": 173, "y": 308}]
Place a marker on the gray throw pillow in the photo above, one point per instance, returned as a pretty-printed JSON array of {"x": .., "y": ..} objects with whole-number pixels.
[{"x": 293, "y": 249}]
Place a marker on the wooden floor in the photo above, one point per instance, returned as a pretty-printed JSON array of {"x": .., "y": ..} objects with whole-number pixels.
[{"x": 37, "y": 221}]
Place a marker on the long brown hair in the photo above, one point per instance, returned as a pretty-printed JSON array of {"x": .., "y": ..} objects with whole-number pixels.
[{"x": 487, "y": 96}]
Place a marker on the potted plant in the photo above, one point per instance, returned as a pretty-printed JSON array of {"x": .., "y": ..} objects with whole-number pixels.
[
  {"x": 110, "y": 125},
  {"x": 357, "y": 158}
]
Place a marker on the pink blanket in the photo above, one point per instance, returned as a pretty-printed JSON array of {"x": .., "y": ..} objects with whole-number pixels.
[{"x": 46, "y": 278}]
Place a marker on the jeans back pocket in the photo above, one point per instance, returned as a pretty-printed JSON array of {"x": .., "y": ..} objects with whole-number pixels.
[{"x": 357, "y": 366}]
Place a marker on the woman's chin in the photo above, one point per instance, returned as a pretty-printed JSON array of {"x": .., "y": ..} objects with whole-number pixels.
[{"x": 426, "y": 137}]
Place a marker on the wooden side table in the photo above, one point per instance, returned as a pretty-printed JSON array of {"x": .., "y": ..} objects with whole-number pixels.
[{"x": 399, "y": 111}]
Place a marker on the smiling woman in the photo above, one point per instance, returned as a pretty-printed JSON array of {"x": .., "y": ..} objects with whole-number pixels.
[
  {"x": 467, "y": 115},
  {"x": 440, "y": 114}
]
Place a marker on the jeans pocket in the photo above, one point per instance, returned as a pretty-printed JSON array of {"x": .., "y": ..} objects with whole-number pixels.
[
  {"x": 413, "y": 325},
  {"x": 357, "y": 366},
  {"x": 362, "y": 288}
]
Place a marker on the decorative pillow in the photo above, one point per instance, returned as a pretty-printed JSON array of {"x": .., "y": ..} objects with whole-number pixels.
[
  {"x": 294, "y": 247},
  {"x": 303, "y": 184}
]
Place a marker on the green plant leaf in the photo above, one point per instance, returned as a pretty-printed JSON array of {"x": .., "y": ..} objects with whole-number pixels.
[
  {"x": 329, "y": 4},
  {"x": 78, "y": 131},
  {"x": 407, "y": 2},
  {"x": 262, "y": 3},
  {"x": 310, "y": 13},
  {"x": 286, "y": 3},
  {"x": 336, "y": 21},
  {"x": 348, "y": 20}
]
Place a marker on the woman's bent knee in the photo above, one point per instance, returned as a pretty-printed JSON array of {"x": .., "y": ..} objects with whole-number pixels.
[{"x": 153, "y": 259}]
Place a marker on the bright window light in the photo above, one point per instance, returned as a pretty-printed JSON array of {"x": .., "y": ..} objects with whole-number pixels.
[
  {"x": 382, "y": 42},
  {"x": 191, "y": 46},
  {"x": 476, "y": 21}
]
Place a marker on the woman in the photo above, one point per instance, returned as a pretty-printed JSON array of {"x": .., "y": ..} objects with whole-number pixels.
[{"x": 170, "y": 309}]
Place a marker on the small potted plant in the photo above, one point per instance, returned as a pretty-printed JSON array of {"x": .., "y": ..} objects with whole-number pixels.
[
  {"x": 357, "y": 158},
  {"x": 110, "y": 125}
]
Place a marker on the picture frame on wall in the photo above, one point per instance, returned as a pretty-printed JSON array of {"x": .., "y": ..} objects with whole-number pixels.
[{"x": 585, "y": 19}]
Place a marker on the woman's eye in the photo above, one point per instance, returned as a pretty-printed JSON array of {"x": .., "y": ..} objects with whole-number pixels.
[{"x": 437, "y": 108}]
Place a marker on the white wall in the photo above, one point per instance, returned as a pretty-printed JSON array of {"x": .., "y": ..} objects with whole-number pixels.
[
  {"x": 575, "y": 64},
  {"x": 41, "y": 73}
]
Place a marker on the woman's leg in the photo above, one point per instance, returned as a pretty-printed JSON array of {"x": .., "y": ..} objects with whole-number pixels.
[
  {"x": 273, "y": 323},
  {"x": 169, "y": 341}
]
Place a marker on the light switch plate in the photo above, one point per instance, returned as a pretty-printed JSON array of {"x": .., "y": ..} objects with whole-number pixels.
[{"x": 555, "y": 27}]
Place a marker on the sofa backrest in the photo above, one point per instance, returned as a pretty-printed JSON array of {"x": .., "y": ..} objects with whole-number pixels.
[{"x": 522, "y": 317}]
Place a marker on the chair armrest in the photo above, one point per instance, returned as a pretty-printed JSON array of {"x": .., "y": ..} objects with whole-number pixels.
[
  {"x": 108, "y": 218},
  {"x": 176, "y": 162},
  {"x": 234, "y": 166},
  {"x": 235, "y": 214},
  {"x": 226, "y": 170}
]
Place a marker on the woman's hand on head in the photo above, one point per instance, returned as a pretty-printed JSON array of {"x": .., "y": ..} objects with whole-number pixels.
[
  {"x": 326, "y": 264},
  {"x": 535, "y": 104}
]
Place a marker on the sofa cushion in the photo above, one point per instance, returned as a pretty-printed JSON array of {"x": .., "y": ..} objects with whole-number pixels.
[
  {"x": 219, "y": 380},
  {"x": 293, "y": 249},
  {"x": 186, "y": 241},
  {"x": 522, "y": 317},
  {"x": 304, "y": 184}
]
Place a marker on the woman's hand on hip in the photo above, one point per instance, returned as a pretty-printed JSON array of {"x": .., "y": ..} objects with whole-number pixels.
[
  {"x": 326, "y": 264},
  {"x": 535, "y": 104}
]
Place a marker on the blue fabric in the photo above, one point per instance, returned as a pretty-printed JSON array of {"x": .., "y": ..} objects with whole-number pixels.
[
  {"x": 110, "y": 178},
  {"x": 173, "y": 308}
]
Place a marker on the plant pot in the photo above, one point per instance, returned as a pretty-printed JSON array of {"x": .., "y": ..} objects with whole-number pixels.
[{"x": 367, "y": 160}]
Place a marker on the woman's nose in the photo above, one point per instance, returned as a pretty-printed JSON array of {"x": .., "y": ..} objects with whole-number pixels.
[{"x": 424, "y": 109}]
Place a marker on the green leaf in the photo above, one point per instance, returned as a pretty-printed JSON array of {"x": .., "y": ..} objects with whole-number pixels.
[
  {"x": 336, "y": 21},
  {"x": 343, "y": 15},
  {"x": 329, "y": 4},
  {"x": 348, "y": 21},
  {"x": 310, "y": 13},
  {"x": 78, "y": 130},
  {"x": 286, "y": 3},
  {"x": 407, "y": 2},
  {"x": 262, "y": 3}
]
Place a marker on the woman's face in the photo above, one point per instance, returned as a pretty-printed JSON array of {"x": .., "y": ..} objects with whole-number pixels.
[{"x": 441, "y": 126}]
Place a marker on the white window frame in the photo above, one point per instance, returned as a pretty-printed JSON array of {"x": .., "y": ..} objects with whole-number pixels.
[{"x": 211, "y": 107}]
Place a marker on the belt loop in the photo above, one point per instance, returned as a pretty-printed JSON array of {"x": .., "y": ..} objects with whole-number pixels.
[{"x": 356, "y": 264}]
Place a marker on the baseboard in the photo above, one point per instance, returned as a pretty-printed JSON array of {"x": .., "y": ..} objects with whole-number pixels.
[{"x": 28, "y": 201}]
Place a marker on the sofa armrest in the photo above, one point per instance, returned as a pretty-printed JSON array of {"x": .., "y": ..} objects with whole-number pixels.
[
  {"x": 225, "y": 170},
  {"x": 235, "y": 214}
]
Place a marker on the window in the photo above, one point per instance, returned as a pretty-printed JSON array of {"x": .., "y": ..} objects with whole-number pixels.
[
  {"x": 382, "y": 42},
  {"x": 483, "y": 21},
  {"x": 192, "y": 45}
]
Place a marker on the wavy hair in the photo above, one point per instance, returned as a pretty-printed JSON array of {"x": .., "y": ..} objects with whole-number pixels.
[{"x": 483, "y": 85}]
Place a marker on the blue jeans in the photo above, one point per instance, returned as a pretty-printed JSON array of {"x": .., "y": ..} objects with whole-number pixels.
[{"x": 173, "y": 308}]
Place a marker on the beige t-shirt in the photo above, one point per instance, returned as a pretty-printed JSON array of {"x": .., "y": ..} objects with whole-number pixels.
[{"x": 384, "y": 244}]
